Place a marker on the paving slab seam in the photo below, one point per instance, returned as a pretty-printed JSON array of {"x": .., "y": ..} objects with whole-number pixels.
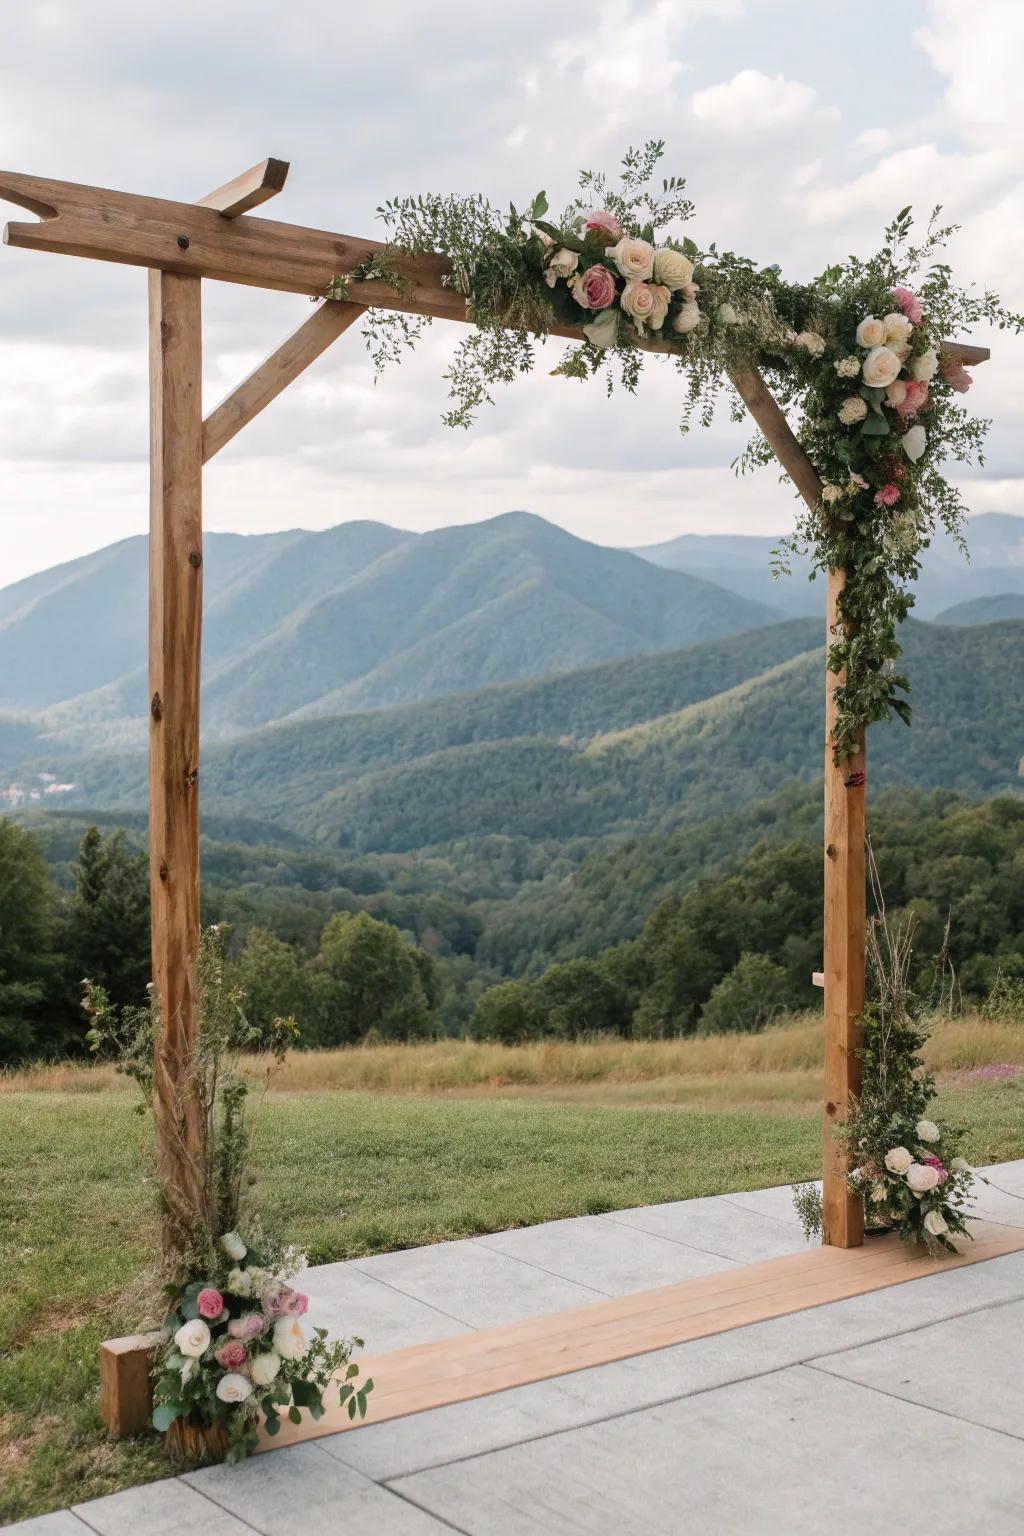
[
  {"x": 397, "y": 1289},
  {"x": 712, "y": 1253},
  {"x": 424, "y": 1509},
  {"x": 914, "y": 1402},
  {"x": 780, "y": 1221},
  {"x": 481, "y": 1242},
  {"x": 900, "y": 1333}
]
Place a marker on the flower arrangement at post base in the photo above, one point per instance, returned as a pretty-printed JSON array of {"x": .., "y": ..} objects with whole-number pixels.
[
  {"x": 235, "y": 1351},
  {"x": 234, "y": 1348}
]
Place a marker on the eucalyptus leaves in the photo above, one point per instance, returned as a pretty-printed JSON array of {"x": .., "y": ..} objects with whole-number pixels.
[{"x": 878, "y": 442}]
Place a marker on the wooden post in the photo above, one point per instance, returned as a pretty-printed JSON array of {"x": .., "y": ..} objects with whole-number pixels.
[
  {"x": 175, "y": 624},
  {"x": 845, "y": 924}
]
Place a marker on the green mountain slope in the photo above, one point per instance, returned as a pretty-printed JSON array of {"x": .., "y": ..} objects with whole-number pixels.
[{"x": 985, "y": 610}]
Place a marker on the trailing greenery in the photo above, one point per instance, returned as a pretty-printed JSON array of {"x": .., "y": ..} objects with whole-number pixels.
[{"x": 853, "y": 355}]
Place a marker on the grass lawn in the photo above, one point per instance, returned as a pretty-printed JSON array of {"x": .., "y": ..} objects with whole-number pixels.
[{"x": 354, "y": 1172}]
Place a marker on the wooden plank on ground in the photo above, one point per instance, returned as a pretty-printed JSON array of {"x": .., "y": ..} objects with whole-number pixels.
[{"x": 535, "y": 1349}]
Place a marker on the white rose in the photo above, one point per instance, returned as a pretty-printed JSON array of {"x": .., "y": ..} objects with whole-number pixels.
[
  {"x": 562, "y": 263},
  {"x": 897, "y": 328},
  {"x": 811, "y": 342},
  {"x": 852, "y": 410},
  {"x": 233, "y": 1246},
  {"x": 959, "y": 1165},
  {"x": 634, "y": 258},
  {"x": 673, "y": 269},
  {"x": 193, "y": 1339},
  {"x": 935, "y": 1223},
  {"x": 900, "y": 349},
  {"x": 604, "y": 331},
  {"x": 921, "y": 1178},
  {"x": 870, "y": 332},
  {"x": 264, "y": 1368},
  {"x": 881, "y": 367},
  {"x": 233, "y": 1388},
  {"x": 289, "y": 1339},
  {"x": 727, "y": 314},
  {"x": 924, "y": 367},
  {"x": 848, "y": 367},
  {"x": 688, "y": 318},
  {"x": 239, "y": 1283},
  {"x": 927, "y": 1130},
  {"x": 896, "y": 392},
  {"x": 914, "y": 442},
  {"x": 898, "y": 1160}
]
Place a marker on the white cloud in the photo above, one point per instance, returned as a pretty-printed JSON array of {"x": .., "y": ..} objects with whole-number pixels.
[{"x": 752, "y": 103}]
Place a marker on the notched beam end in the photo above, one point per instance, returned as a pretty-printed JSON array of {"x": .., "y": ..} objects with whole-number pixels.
[{"x": 25, "y": 192}]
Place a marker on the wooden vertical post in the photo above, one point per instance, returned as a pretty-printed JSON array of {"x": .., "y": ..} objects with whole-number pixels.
[
  {"x": 845, "y": 924},
  {"x": 175, "y": 623}
]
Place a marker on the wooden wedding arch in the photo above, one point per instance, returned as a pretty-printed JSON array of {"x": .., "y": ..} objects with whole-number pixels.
[{"x": 181, "y": 244}]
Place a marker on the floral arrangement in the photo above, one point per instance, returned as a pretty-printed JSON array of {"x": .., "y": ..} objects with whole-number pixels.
[
  {"x": 236, "y": 1352},
  {"x": 234, "y": 1349},
  {"x": 854, "y": 356}
]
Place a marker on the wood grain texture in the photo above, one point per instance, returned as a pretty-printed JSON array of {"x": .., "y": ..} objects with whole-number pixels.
[
  {"x": 126, "y": 1388},
  {"x": 495, "y": 1359},
  {"x": 844, "y": 959},
  {"x": 253, "y": 187},
  {"x": 175, "y": 624},
  {"x": 276, "y": 372}
]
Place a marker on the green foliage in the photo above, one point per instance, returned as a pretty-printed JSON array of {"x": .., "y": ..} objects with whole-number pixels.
[
  {"x": 27, "y": 960},
  {"x": 509, "y": 1013},
  {"x": 753, "y": 993},
  {"x": 809, "y": 1209},
  {"x": 374, "y": 984}
]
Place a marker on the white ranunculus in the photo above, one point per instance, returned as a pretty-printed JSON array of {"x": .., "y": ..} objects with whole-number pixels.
[
  {"x": 289, "y": 1339},
  {"x": 897, "y": 328},
  {"x": 233, "y": 1388},
  {"x": 870, "y": 332},
  {"x": 673, "y": 269},
  {"x": 852, "y": 410},
  {"x": 848, "y": 367},
  {"x": 881, "y": 367},
  {"x": 811, "y": 342},
  {"x": 688, "y": 319},
  {"x": 604, "y": 331},
  {"x": 239, "y": 1283},
  {"x": 935, "y": 1223},
  {"x": 634, "y": 258},
  {"x": 264, "y": 1368},
  {"x": 233, "y": 1246},
  {"x": 914, "y": 442},
  {"x": 924, "y": 366},
  {"x": 959, "y": 1165},
  {"x": 898, "y": 1160},
  {"x": 922, "y": 1177},
  {"x": 193, "y": 1339},
  {"x": 562, "y": 263},
  {"x": 927, "y": 1130}
]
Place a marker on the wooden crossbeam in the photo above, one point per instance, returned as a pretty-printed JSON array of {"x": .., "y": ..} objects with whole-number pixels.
[
  {"x": 253, "y": 187},
  {"x": 276, "y": 372}
]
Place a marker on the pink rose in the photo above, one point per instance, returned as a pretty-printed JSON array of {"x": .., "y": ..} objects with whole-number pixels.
[
  {"x": 639, "y": 302},
  {"x": 250, "y": 1326},
  {"x": 915, "y": 398},
  {"x": 956, "y": 375},
  {"x": 937, "y": 1163},
  {"x": 272, "y": 1301},
  {"x": 296, "y": 1304},
  {"x": 888, "y": 496},
  {"x": 210, "y": 1303},
  {"x": 595, "y": 289},
  {"x": 231, "y": 1356},
  {"x": 602, "y": 219},
  {"x": 910, "y": 304}
]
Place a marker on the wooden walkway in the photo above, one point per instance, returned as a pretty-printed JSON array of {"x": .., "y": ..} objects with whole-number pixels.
[{"x": 494, "y": 1359}]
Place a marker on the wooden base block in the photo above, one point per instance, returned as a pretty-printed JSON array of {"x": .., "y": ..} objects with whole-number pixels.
[{"x": 126, "y": 1388}]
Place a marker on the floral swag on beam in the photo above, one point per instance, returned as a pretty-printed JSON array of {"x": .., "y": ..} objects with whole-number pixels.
[{"x": 854, "y": 357}]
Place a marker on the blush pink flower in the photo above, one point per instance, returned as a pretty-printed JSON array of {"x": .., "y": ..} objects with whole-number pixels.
[
  {"x": 210, "y": 1303},
  {"x": 910, "y": 304},
  {"x": 888, "y": 496},
  {"x": 249, "y": 1326},
  {"x": 595, "y": 289},
  {"x": 956, "y": 375},
  {"x": 600, "y": 218},
  {"x": 296, "y": 1304},
  {"x": 273, "y": 1301},
  {"x": 232, "y": 1355},
  {"x": 939, "y": 1166},
  {"x": 915, "y": 398},
  {"x": 858, "y": 480}
]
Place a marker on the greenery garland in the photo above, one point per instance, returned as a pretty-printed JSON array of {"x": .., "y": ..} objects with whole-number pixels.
[{"x": 854, "y": 357}]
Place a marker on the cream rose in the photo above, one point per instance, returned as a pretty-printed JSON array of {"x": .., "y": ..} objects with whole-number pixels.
[
  {"x": 870, "y": 332},
  {"x": 264, "y": 1368},
  {"x": 914, "y": 442},
  {"x": 233, "y": 1246},
  {"x": 690, "y": 290},
  {"x": 562, "y": 263},
  {"x": 896, "y": 392},
  {"x": 898, "y": 1160},
  {"x": 193, "y": 1339},
  {"x": 897, "y": 328},
  {"x": 935, "y": 1223},
  {"x": 831, "y": 493},
  {"x": 811, "y": 342},
  {"x": 927, "y": 1130},
  {"x": 289, "y": 1339},
  {"x": 638, "y": 302},
  {"x": 673, "y": 269},
  {"x": 852, "y": 410},
  {"x": 688, "y": 319},
  {"x": 634, "y": 258},
  {"x": 848, "y": 367},
  {"x": 922, "y": 1178},
  {"x": 881, "y": 367},
  {"x": 900, "y": 349},
  {"x": 924, "y": 366},
  {"x": 233, "y": 1388}
]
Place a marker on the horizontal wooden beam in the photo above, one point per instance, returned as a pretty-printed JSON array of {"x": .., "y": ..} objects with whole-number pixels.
[
  {"x": 276, "y": 372},
  {"x": 247, "y": 191}
]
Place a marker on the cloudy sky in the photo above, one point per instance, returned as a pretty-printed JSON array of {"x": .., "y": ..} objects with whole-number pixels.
[{"x": 800, "y": 127}]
